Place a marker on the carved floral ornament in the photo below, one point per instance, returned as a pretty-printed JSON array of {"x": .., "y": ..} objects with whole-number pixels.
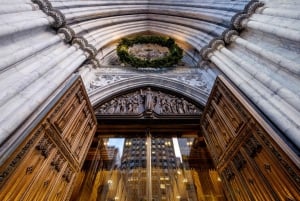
[{"x": 147, "y": 101}]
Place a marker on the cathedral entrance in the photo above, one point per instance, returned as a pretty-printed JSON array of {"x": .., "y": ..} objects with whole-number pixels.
[
  {"x": 167, "y": 165},
  {"x": 148, "y": 146}
]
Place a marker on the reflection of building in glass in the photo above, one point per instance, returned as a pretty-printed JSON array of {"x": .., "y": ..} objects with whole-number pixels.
[
  {"x": 135, "y": 153},
  {"x": 126, "y": 178},
  {"x": 198, "y": 165},
  {"x": 134, "y": 167},
  {"x": 111, "y": 156}
]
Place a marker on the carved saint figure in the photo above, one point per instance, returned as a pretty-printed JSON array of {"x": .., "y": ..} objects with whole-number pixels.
[
  {"x": 157, "y": 107},
  {"x": 179, "y": 106},
  {"x": 123, "y": 105},
  {"x": 148, "y": 99},
  {"x": 185, "y": 105}
]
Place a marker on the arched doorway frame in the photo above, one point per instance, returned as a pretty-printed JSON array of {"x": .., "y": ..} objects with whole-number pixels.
[{"x": 196, "y": 95}]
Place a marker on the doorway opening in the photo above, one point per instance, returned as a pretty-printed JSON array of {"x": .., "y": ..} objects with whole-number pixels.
[{"x": 149, "y": 159}]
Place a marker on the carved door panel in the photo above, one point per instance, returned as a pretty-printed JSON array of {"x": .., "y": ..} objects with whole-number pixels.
[
  {"x": 254, "y": 161},
  {"x": 45, "y": 165}
]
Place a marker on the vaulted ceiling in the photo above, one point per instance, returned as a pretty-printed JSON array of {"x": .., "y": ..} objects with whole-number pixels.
[{"x": 192, "y": 23}]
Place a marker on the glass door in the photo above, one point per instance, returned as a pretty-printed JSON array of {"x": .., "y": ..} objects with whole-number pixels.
[{"x": 152, "y": 168}]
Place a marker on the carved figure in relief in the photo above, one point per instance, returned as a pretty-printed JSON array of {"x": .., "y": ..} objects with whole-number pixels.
[
  {"x": 130, "y": 106},
  {"x": 102, "y": 108},
  {"x": 166, "y": 104},
  {"x": 174, "y": 105},
  {"x": 111, "y": 108},
  {"x": 180, "y": 107},
  {"x": 157, "y": 107},
  {"x": 123, "y": 105},
  {"x": 148, "y": 99},
  {"x": 192, "y": 108},
  {"x": 118, "y": 105}
]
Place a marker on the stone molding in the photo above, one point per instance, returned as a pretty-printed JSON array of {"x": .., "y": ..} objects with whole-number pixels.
[
  {"x": 80, "y": 41},
  {"x": 237, "y": 19},
  {"x": 69, "y": 34},
  {"x": 94, "y": 62},
  {"x": 251, "y": 7},
  {"x": 205, "y": 51},
  {"x": 236, "y": 28},
  {"x": 227, "y": 35},
  {"x": 47, "y": 8}
]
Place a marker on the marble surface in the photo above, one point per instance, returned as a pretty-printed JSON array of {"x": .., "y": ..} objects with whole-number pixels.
[{"x": 35, "y": 60}]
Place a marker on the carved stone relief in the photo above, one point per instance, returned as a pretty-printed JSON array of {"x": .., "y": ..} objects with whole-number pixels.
[
  {"x": 197, "y": 78},
  {"x": 147, "y": 100}
]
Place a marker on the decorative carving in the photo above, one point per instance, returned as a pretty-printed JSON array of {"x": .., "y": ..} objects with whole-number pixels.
[
  {"x": 227, "y": 172},
  {"x": 215, "y": 43},
  {"x": 148, "y": 101},
  {"x": 44, "y": 146},
  {"x": 205, "y": 51},
  {"x": 227, "y": 35},
  {"x": 79, "y": 96},
  {"x": 29, "y": 170},
  {"x": 44, "y": 151},
  {"x": 239, "y": 161},
  {"x": 59, "y": 18},
  {"x": 237, "y": 20},
  {"x": 251, "y": 144},
  {"x": 68, "y": 32},
  {"x": 210, "y": 111},
  {"x": 82, "y": 42},
  {"x": 68, "y": 174},
  {"x": 217, "y": 96},
  {"x": 85, "y": 46},
  {"x": 252, "y": 6},
  {"x": 91, "y": 50},
  {"x": 252, "y": 147},
  {"x": 15, "y": 162},
  {"x": 57, "y": 162},
  {"x": 193, "y": 77},
  {"x": 282, "y": 160},
  {"x": 44, "y": 5}
]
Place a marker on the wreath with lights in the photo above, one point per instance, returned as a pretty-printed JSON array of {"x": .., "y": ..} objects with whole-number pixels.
[{"x": 171, "y": 59}]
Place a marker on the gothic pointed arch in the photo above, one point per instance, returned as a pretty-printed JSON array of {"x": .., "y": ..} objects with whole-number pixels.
[
  {"x": 195, "y": 94},
  {"x": 148, "y": 102}
]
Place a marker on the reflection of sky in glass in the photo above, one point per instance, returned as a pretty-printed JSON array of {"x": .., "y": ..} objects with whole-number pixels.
[
  {"x": 117, "y": 142},
  {"x": 176, "y": 148}
]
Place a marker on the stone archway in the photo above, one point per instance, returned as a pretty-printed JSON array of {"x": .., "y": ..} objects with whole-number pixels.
[
  {"x": 195, "y": 94},
  {"x": 147, "y": 102}
]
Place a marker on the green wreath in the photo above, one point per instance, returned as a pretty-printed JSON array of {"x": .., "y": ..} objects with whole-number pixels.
[{"x": 173, "y": 57}]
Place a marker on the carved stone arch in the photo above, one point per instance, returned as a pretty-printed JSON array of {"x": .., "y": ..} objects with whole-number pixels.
[
  {"x": 196, "y": 95},
  {"x": 148, "y": 102}
]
